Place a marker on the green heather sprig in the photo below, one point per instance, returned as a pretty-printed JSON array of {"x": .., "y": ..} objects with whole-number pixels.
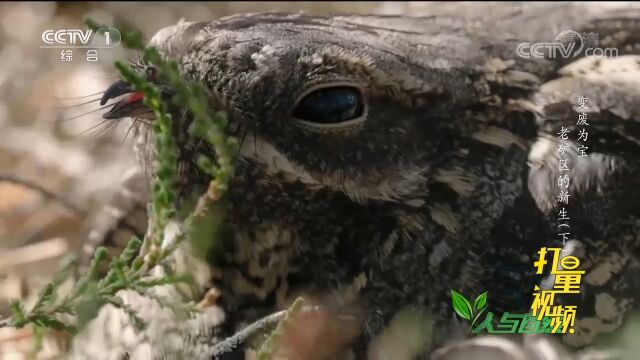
[
  {"x": 86, "y": 296},
  {"x": 163, "y": 192},
  {"x": 207, "y": 125},
  {"x": 131, "y": 269},
  {"x": 268, "y": 347}
]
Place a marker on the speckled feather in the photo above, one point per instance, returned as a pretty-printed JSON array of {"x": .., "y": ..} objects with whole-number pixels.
[{"x": 449, "y": 183}]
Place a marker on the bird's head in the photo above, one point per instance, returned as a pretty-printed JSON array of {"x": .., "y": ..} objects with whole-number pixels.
[{"x": 337, "y": 102}]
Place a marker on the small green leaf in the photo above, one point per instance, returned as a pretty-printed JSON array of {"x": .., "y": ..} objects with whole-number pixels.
[
  {"x": 38, "y": 337},
  {"x": 48, "y": 322},
  {"x": 475, "y": 318},
  {"x": 99, "y": 257},
  {"x": 132, "y": 249},
  {"x": 480, "y": 302},
  {"x": 88, "y": 305},
  {"x": 45, "y": 296},
  {"x": 18, "y": 313},
  {"x": 136, "y": 320},
  {"x": 91, "y": 24},
  {"x": 64, "y": 269},
  {"x": 166, "y": 280},
  {"x": 461, "y": 305}
]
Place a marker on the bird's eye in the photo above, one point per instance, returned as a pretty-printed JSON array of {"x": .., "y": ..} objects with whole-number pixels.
[{"x": 330, "y": 106}]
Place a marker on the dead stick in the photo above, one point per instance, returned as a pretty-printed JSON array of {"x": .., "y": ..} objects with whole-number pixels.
[{"x": 49, "y": 194}]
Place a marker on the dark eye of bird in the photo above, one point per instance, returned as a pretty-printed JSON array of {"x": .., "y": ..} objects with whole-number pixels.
[{"x": 330, "y": 105}]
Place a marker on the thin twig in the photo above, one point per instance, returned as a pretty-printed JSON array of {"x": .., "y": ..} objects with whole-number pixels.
[
  {"x": 11, "y": 178},
  {"x": 78, "y": 211},
  {"x": 5, "y": 322},
  {"x": 226, "y": 348}
]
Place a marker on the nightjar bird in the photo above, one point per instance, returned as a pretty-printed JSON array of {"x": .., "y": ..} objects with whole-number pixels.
[{"x": 386, "y": 160}]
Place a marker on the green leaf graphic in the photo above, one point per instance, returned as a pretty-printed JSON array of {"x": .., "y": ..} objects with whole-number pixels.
[
  {"x": 480, "y": 302},
  {"x": 475, "y": 318},
  {"x": 461, "y": 305}
]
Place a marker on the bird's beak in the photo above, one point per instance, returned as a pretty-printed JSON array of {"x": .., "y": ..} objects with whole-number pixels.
[{"x": 130, "y": 103}]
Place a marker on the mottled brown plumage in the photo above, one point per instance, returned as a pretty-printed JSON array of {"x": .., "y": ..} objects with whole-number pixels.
[{"x": 445, "y": 181}]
